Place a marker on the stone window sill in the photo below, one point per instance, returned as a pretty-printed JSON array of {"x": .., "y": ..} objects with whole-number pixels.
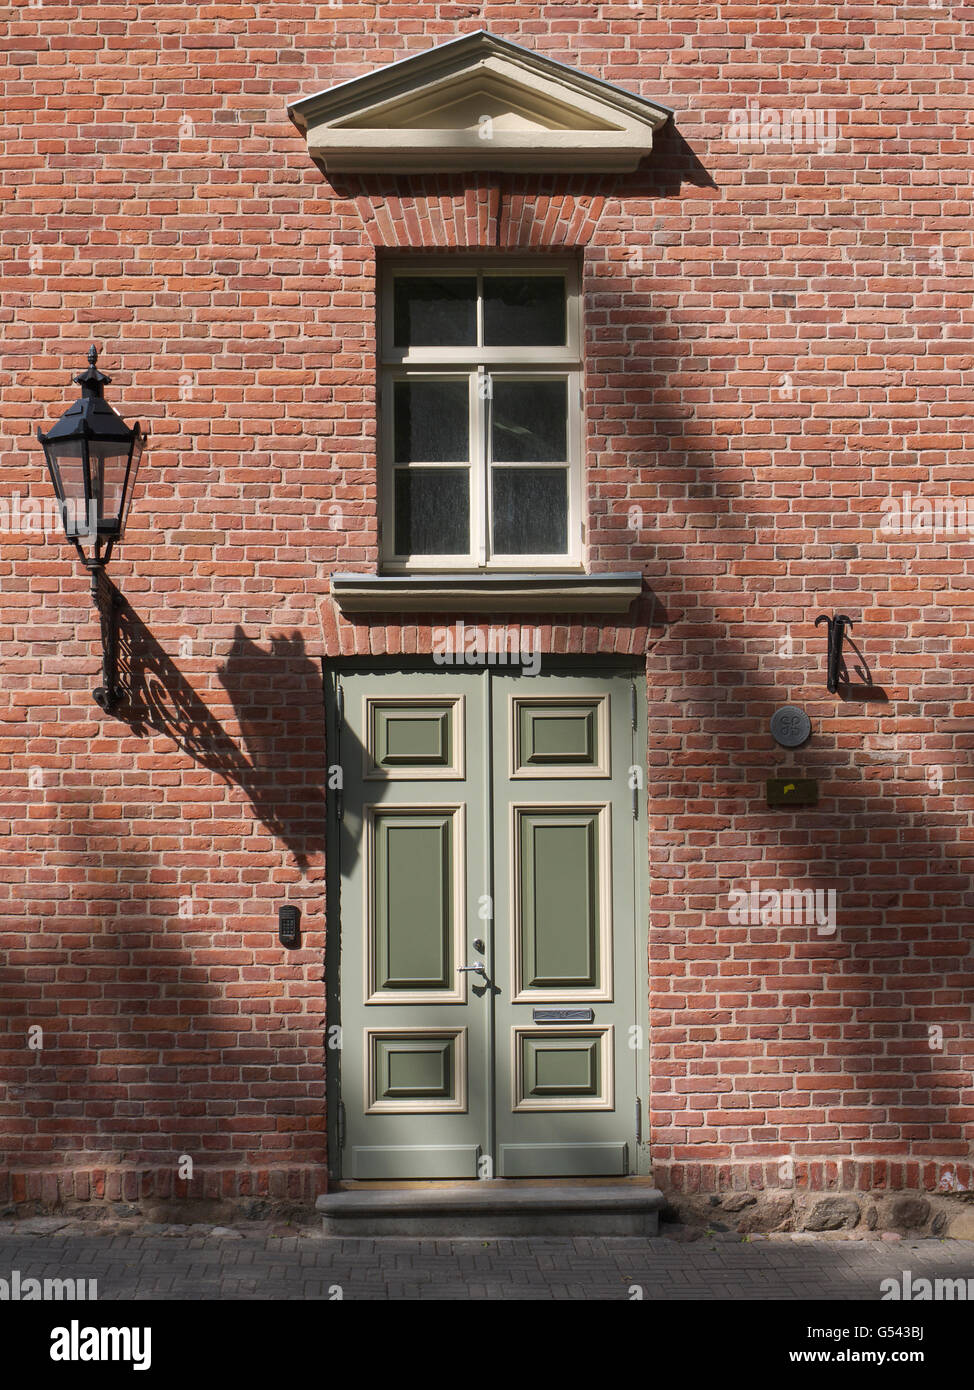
[{"x": 485, "y": 593}]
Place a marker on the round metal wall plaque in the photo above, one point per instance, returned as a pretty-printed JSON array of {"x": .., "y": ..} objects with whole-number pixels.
[{"x": 790, "y": 726}]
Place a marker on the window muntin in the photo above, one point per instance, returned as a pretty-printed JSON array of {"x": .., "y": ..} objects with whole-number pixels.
[{"x": 480, "y": 417}]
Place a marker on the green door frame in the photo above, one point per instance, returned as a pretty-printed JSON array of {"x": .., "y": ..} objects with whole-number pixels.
[{"x": 332, "y": 670}]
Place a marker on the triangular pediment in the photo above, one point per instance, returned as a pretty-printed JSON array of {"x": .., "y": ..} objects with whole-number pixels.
[{"x": 478, "y": 103}]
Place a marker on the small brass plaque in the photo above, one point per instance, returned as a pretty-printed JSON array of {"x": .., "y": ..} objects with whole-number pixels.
[{"x": 792, "y": 791}]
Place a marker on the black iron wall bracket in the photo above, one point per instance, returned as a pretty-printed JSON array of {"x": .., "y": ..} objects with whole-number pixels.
[
  {"x": 836, "y": 628},
  {"x": 107, "y": 601}
]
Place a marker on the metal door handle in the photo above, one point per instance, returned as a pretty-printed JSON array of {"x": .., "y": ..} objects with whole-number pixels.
[{"x": 477, "y": 968}]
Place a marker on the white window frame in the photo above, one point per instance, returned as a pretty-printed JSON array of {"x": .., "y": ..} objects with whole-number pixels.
[{"x": 476, "y": 363}]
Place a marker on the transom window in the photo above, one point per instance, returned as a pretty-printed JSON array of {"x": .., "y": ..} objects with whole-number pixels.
[{"x": 480, "y": 416}]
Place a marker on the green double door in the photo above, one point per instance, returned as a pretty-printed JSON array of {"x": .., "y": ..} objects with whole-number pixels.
[{"x": 489, "y": 950}]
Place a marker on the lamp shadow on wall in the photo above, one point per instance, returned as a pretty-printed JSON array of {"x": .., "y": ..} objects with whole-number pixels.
[{"x": 271, "y": 694}]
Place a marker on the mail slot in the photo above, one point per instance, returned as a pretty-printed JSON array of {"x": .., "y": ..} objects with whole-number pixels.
[{"x": 563, "y": 1015}]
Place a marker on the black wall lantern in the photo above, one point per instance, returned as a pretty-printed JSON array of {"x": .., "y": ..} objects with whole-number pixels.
[{"x": 93, "y": 459}]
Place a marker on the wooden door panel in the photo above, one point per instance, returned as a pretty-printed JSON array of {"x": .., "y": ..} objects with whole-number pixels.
[
  {"x": 564, "y": 935},
  {"x": 414, "y": 1060}
]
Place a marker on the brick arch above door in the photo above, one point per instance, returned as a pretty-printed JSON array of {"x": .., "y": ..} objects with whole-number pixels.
[{"x": 632, "y": 634}]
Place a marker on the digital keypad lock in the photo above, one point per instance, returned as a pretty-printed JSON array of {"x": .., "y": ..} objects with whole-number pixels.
[{"x": 288, "y": 919}]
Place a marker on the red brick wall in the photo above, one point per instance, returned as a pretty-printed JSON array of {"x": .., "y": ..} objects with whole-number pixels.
[{"x": 778, "y": 343}]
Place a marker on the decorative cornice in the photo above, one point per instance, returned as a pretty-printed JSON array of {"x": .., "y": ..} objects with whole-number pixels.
[{"x": 478, "y": 102}]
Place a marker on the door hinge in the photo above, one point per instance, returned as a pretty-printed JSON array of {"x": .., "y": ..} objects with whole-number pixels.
[
  {"x": 341, "y": 1124},
  {"x": 639, "y": 1121},
  {"x": 635, "y": 777},
  {"x": 340, "y": 720}
]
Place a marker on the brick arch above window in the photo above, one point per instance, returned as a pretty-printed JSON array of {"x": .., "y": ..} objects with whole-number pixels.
[{"x": 482, "y": 213}]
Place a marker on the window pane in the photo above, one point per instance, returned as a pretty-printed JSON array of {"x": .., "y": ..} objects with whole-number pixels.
[
  {"x": 435, "y": 311},
  {"x": 530, "y": 511},
  {"x": 431, "y": 421},
  {"x": 524, "y": 309},
  {"x": 432, "y": 511},
  {"x": 529, "y": 422}
]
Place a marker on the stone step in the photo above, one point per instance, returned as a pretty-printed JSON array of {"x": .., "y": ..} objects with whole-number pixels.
[{"x": 494, "y": 1209}]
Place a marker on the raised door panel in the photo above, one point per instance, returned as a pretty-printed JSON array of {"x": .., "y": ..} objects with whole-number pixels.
[
  {"x": 562, "y": 904},
  {"x": 414, "y": 903},
  {"x": 559, "y": 735},
  {"x": 413, "y": 738},
  {"x": 418, "y": 1070}
]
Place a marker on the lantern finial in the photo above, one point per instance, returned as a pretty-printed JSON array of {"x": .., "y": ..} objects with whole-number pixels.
[{"x": 92, "y": 381}]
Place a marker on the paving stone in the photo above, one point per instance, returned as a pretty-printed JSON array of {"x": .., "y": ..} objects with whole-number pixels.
[{"x": 181, "y": 1265}]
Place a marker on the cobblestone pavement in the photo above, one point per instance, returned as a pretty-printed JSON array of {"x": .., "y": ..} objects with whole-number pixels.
[{"x": 251, "y": 1262}]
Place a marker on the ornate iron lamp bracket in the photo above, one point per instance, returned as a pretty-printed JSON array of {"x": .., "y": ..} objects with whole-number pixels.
[
  {"x": 836, "y": 628},
  {"x": 107, "y": 601}
]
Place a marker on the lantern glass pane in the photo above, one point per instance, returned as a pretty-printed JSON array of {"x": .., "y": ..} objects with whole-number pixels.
[
  {"x": 133, "y": 478},
  {"x": 108, "y": 462},
  {"x": 66, "y": 460}
]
